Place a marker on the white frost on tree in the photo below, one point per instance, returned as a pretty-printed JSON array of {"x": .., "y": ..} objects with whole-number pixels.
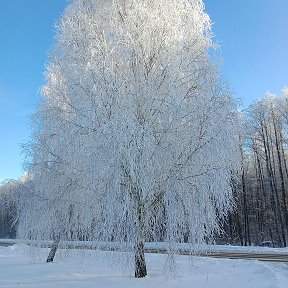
[{"x": 135, "y": 139}]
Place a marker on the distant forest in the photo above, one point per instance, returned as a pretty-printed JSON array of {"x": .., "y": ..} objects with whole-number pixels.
[{"x": 261, "y": 192}]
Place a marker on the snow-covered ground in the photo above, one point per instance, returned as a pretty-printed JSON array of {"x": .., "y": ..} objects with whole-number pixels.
[
  {"x": 18, "y": 270},
  {"x": 156, "y": 246}
]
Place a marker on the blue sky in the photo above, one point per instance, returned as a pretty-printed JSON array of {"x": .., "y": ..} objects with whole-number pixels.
[{"x": 253, "y": 35}]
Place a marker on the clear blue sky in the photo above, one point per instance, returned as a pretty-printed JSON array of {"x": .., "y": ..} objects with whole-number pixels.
[{"x": 253, "y": 35}]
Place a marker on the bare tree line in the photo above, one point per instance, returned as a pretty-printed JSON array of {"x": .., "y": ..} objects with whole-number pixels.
[
  {"x": 9, "y": 191},
  {"x": 261, "y": 213}
]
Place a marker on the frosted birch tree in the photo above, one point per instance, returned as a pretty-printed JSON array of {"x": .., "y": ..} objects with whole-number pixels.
[{"x": 136, "y": 137}]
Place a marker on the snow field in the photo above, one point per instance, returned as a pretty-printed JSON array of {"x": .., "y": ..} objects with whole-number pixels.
[{"x": 24, "y": 267}]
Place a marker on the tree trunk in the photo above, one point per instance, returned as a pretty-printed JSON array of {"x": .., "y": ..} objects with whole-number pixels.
[
  {"x": 53, "y": 250},
  {"x": 283, "y": 188},
  {"x": 230, "y": 228},
  {"x": 140, "y": 264},
  {"x": 263, "y": 204},
  {"x": 283, "y": 154},
  {"x": 272, "y": 183},
  {"x": 239, "y": 229},
  {"x": 247, "y": 239}
]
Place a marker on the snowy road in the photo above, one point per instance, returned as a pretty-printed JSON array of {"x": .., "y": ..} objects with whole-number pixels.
[{"x": 251, "y": 256}]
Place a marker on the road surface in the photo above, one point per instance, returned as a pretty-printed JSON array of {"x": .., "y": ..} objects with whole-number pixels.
[{"x": 272, "y": 257}]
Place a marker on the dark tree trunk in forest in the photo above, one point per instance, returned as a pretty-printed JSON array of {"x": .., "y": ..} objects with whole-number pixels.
[
  {"x": 271, "y": 237},
  {"x": 140, "y": 264},
  {"x": 283, "y": 188},
  {"x": 230, "y": 227},
  {"x": 274, "y": 193},
  {"x": 247, "y": 239},
  {"x": 283, "y": 154},
  {"x": 53, "y": 250},
  {"x": 239, "y": 230},
  {"x": 263, "y": 206}
]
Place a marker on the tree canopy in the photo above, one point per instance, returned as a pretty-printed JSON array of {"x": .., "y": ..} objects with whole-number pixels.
[{"x": 136, "y": 136}]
